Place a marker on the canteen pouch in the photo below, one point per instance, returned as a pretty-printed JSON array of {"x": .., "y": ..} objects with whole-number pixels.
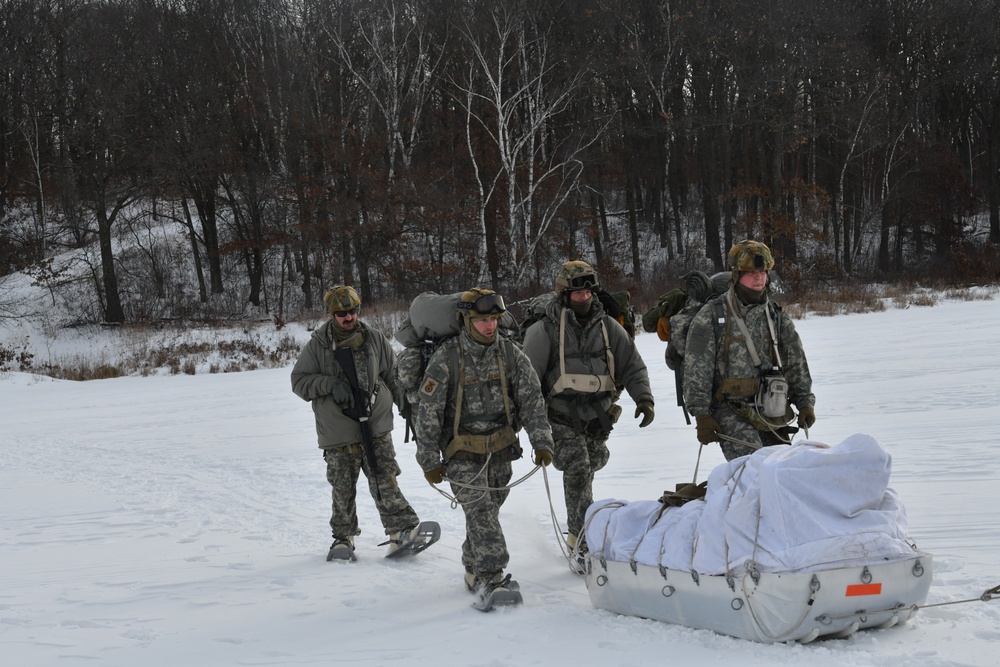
[{"x": 772, "y": 396}]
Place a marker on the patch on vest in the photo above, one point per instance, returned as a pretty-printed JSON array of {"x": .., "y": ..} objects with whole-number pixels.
[{"x": 429, "y": 386}]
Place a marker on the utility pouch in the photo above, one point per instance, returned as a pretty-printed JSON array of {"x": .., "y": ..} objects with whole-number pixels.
[
  {"x": 614, "y": 413},
  {"x": 737, "y": 388},
  {"x": 772, "y": 397}
]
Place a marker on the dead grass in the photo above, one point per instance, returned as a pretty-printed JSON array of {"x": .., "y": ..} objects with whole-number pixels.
[
  {"x": 145, "y": 351},
  {"x": 867, "y": 298}
]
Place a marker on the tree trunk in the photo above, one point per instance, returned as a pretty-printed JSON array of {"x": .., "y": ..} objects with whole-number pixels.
[
  {"x": 113, "y": 311},
  {"x": 195, "y": 254}
]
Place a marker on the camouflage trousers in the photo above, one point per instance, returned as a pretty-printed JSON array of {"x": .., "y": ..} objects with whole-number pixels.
[
  {"x": 343, "y": 467},
  {"x": 578, "y": 456},
  {"x": 734, "y": 426},
  {"x": 484, "y": 551}
]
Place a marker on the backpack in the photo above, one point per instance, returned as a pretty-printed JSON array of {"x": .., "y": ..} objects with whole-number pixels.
[
  {"x": 671, "y": 318},
  {"x": 619, "y": 306},
  {"x": 432, "y": 319},
  {"x": 616, "y": 304}
]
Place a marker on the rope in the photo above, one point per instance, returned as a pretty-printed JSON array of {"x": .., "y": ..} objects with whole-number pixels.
[
  {"x": 985, "y": 597},
  {"x": 455, "y": 502},
  {"x": 571, "y": 554}
]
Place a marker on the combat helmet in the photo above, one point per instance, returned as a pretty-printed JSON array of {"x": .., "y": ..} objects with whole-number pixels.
[
  {"x": 341, "y": 299},
  {"x": 480, "y": 302},
  {"x": 576, "y": 275},
  {"x": 747, "y": 256}
]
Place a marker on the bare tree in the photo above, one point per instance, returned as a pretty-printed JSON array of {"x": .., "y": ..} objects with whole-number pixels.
[{"x": 514, "y": 94}]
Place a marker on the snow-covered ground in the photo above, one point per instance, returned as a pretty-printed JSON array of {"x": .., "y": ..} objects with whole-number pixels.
[{"x": 182, "y": 520}]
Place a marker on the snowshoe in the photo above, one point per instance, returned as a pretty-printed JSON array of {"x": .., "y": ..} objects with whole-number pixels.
[
  {"x": 499, "y": 593},
  {"x": 341, "y": 550},
  {"x": 412, "y": 542}
]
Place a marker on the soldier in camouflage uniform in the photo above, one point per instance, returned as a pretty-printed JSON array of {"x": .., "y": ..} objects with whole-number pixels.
[
  {"x": 569, "y": 348},
  {"x": 478, "y": 389},
  {"x": 347, "y": 372},
  {"x": 721, "y": 380}
]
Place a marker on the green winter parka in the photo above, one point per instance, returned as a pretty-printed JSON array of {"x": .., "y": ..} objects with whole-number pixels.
[
  {"x": 586, "y": 355},
  {"x": 373, "y": 359}
]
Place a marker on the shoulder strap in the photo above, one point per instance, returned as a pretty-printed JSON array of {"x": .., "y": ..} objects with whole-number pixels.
[
  {"x": 583, "y": 383},
  {"x": 460, "y": 385},
  {"x": 751, "y": 348}
]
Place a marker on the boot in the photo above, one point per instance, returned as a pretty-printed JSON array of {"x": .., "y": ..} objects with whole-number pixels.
[
  {"x": 342, "y": 549},
  {"x": 404, "y": 538},
  {"x": 577, "y": 553}
]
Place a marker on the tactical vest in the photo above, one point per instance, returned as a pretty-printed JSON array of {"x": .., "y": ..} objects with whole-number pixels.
[{"x": 488, "y": 443}]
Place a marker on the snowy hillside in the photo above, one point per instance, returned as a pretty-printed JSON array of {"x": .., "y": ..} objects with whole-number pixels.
[{"x": 182, "y": 520}]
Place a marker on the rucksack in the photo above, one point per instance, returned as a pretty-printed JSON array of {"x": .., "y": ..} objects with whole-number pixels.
[
  {"x": 619, "y": 306},
  {"x": 432, "y": 319},
  {"x": 616, "y": 304},
  {"x": 671, "y": 318}
]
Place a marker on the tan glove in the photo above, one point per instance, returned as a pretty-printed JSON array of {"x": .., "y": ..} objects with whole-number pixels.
[
  {"x": 543, "y": 457},
  {"x": 708, "y": 429},
  {"x": 434, "y": 475},
  {"x": 807, "y": 417}
]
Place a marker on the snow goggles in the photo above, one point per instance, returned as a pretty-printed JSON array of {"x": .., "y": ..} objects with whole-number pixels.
[
  {"x": 489, "y": 304},
  {"x": 586, "y": 281}
]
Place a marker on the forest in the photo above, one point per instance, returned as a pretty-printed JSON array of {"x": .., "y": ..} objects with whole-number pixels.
[{"x": 206, "y": 158}]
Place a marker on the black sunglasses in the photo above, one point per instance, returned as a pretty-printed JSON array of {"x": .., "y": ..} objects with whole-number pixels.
[{"x": 345, "y": 313}]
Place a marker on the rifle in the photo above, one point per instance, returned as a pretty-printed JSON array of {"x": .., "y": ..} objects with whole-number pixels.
[
  {"x": 679, "y": 388},
  {"x": 361, "y": 406}
]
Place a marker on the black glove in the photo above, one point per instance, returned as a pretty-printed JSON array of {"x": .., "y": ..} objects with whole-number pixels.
[
  {"x": 708, "y": 429},
  {"x": 341, "y": 392},
  {"x": 807, "y": 417},
  {"x": 646, "y": 410},
  {"x": 434, "y": 475},
  {"x": 543, "y": 457}
]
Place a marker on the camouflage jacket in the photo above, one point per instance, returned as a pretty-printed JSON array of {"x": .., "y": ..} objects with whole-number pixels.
[
  {"x": 585, "y": 354},
  {"x": 709, "y": 360},
  {"x": 482, "y": 400},
  {"x": 375, "y": 363}
]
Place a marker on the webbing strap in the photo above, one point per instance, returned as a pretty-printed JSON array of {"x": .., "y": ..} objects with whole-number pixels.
[
  {"x": 583, "y": 383},
  {"x": 481, "y": 444},
  {"x": 460, "y": 392},
  {"x": 751, "y": 348}
]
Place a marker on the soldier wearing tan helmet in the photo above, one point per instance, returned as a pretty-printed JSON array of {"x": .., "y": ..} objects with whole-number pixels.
[
  {"x": 745, "y": 367},
  {"x": 584, "y": 358},
  {"x": 478, "y": 390},
  {"x": 347, "y": 372}
]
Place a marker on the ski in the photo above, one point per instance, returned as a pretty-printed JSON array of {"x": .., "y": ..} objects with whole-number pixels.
[
  {"x": 504, "y": 593},
  {"x": 427, "y": 533}
]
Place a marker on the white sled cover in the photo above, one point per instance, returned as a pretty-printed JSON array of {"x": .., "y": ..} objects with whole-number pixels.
[
  {"x": 790, "y": 544},
  {"x": 799, "y": 508}
]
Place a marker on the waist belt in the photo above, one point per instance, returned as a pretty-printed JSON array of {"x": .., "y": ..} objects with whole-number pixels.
[
  {"x": 481, "y": 444},
  {"x": 595, "y": 427}
]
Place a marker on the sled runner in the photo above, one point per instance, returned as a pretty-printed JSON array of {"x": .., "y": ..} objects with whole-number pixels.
[{"x": 789, "y": 544}]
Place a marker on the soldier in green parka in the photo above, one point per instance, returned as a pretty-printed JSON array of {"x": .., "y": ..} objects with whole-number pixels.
[
  {"x": 584, "y": 358},
  {"x": 347, "y": 372}
]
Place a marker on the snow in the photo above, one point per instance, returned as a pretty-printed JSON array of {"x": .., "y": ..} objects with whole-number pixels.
[{"x": 182, "y": 520}]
